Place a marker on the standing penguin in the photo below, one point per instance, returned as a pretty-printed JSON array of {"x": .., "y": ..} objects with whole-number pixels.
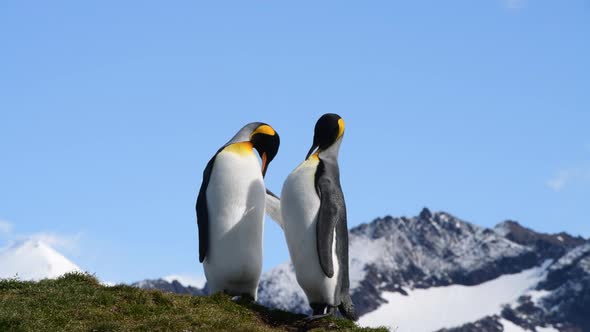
[
  {"x": 230, "y": 211},
  {"x": 314, "y": 221}
]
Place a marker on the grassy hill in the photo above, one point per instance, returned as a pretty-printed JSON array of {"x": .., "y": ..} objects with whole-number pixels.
[{"x": 78, "y": 302}]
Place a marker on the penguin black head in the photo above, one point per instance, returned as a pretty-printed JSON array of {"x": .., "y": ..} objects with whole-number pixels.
[
  {"x": 266, "y": 141},
  {"x": 328, "y": 129}
]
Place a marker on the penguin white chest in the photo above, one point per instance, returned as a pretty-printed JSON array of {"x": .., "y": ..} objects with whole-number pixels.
[
  {"x": 235, "y": 201},
  {"x": 299, "y": 209}
]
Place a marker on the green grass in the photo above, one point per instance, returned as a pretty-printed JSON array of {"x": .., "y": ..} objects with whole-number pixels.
[{"x": 77, "y": 302}]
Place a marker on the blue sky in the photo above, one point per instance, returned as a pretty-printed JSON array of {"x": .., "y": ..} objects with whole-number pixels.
[{"x": 110, "y": 111}]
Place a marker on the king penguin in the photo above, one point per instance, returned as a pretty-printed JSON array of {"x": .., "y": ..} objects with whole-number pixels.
[
  {"x": 313, "y": 216},
  {"x": 230, "y": 211}
]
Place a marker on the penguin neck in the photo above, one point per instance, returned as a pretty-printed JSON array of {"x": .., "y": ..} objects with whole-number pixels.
[{"x": 331, "y": 153}]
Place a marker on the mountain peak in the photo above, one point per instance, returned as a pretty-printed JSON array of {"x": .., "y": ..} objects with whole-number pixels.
[
  {"x": 425, "y": 214},
  {"x": 33, "y": 260},
  {"x": 508, "y": 226}
]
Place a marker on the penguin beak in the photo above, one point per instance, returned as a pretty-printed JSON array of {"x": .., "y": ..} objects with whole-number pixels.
[
  {"x": 313, "y": 147},
  {"x": 264, "y": 163}
]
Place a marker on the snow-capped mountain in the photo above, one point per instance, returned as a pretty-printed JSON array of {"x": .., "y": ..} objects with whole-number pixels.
[
  {"x": 435, "y": 272},
  {"x": 33, "y": 260}
]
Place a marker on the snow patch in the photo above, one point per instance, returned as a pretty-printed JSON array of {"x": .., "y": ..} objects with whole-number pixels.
[
  {"x": 537, "y": 295},
  {"x": 451, "y": 305},
  {"x": 511, "y": 327}
]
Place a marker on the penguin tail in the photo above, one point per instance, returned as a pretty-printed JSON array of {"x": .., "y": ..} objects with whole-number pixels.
[{"x": 346, "y": 308}]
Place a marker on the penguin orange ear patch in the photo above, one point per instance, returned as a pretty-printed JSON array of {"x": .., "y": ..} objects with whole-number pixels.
[
  {"x": 264, "y": 129},
  {"x": 340, "y": 128}
]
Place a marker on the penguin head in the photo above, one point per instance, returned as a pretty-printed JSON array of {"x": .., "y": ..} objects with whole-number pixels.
[
  {"x": 328, "y": 130},
  {"x": 266, "y": 141}
]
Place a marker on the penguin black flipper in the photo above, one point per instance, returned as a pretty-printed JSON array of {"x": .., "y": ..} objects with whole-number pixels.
[
  {"x": 202, "y": 213},
  {"x": 331, "y": 213}
]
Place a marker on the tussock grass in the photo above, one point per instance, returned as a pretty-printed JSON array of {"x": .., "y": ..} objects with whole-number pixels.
[{"x": 78, "y": 302}]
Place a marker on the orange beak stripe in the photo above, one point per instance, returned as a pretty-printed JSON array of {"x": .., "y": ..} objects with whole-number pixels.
[{"x": 264, "y": 164}]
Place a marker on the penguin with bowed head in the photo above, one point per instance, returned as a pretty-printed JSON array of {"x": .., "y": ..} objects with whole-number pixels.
[
  {"x": 313, "y": 216},
  {"x": 230, "y": 211}
]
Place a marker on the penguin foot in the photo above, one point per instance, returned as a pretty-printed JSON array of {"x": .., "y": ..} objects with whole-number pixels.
[
  {"x": 321, "y": 310},
  {"x": 244, "y": 297}
]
